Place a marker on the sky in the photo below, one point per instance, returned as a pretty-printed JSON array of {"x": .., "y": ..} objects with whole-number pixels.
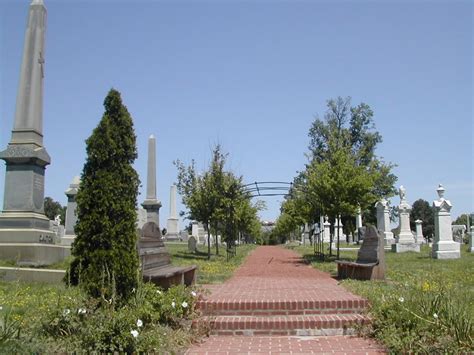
[{"x": 252, "y": 76}]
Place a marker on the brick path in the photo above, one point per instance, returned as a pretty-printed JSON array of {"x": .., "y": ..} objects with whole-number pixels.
[{"x": 275, "y": 303}]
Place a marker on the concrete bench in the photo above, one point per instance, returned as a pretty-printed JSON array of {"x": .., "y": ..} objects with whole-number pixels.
[
  {"x": 156, "y": 261},
  {"x": 370, "y": 263}
]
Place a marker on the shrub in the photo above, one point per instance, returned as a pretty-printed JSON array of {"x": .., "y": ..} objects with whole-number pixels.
[{"x": 106, "y": 260}]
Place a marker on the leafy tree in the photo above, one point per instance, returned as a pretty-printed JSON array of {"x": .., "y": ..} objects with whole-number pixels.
[
  {"x": 216, "y": 198},
  {"x": 106, "y": 259},
  {"x": 421, "y": 209},
  {"x": 53, "y": 208},
  {"x": 463, "y": 219},
  {"x": 343, "y": 172}
]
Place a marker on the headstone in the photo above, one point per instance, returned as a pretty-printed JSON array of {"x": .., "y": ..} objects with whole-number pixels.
[
  {"x": 458, "y": 232},
  {"x": 444, "y": 247},
  {"x": 471, "y": 240},
  {"x": 151, "y": 203},
  {"x": 383, "y": 221},
  {"x": 172, "y": 227},
  {"x": 71, "y": 216},
  {"x": 24, "y": 228},
  {"x": 305, "y": 235},
  {"x": 192, "y": 244},
  {"x": 405, "y": 239},
  {"x": 338, "y": 230},
  {"x": 183, "y": 235},
  {"x": 420, "y": 239},
  {"x": 327, "y": 230},
  {"x": 358, "y": 219}
]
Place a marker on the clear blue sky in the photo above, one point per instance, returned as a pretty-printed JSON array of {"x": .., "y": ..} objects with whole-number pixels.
[{"x": 252, "y": 76}]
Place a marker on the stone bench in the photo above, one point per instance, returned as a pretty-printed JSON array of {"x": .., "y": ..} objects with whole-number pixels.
[
  {"x": 156, "y": 261},
  {"x": 370, "y": 263}
]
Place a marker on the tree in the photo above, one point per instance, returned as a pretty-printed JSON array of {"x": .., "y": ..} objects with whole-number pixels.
[
  {"x": 215, "y": 198},
  {"x": 343, "y": 172},
  {"x": 421, "y": 209},
  {"x": 53, "y": 208},
  {"x": 105, "y": 255}
]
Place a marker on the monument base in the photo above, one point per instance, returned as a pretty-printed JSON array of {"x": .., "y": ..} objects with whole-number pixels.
[
  {"x": 389, "y": 242},
  {"x": 34, "y": 254},
  {"x": 172, "y": 237},
  {"x": 405, "y": 247},
  {"x": 68, "y": 240},
  {"x": 446, "y": 250}
]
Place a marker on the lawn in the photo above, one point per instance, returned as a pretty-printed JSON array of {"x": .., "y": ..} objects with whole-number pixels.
[
  {"x": 39, "y": 318},
  {"x": 424, "y": 306}
]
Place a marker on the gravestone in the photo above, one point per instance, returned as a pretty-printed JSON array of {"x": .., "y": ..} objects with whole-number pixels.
[
  {"x": 183, "y": 235},
  {"x": 25, "y": 233},
  {"x": 405, "y": 239},
  {"x": 471, "y": 240},
  {"x": 444, "y": 247},
  {"x": 420, "y": 239},
  {"x": 327, "y": 230},
  {"x": 172, "y": 228},
  {"x": 192, "y": 244},
  {"x": 383, "y": 221},
  {"x": 71, "y": 215}
]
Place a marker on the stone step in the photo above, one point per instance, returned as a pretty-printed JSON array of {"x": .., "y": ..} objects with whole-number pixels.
[
  {"x": 315, "y": 325},
  {"x": 273, "y": 308}
]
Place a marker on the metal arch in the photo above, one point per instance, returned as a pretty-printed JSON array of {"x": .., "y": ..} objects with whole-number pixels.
[{"x": 268, "y": 188}]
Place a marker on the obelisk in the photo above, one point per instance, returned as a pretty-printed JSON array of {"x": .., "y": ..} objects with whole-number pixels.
[
  {"x": 22, "y": 221},
  {"x": 151, "y": 203},
  {"x": 172, "y": 229}
]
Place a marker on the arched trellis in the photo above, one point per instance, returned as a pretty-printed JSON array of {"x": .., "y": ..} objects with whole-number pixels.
[{"x": 268, "y": 188}]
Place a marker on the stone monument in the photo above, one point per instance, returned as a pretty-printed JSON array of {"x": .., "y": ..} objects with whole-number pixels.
[
  {"x": 420, "y": 239},
  {"x": 338, "y": 230},
  {"x": 327, "y": 230},
  {"x": 172, "y": 228},
  {"x": 383, "y": 221},
  {"x": 71, "y": 217},
  {"x": 151, "y": 203},
  {"x": 444, "y": 247},
  {"x": 471, "y": 240},
  {"x": 25, "y": 233},
  {"x": 405, "y": 240}
]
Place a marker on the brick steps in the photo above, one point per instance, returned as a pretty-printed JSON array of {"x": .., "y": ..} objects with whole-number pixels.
[
  {"x": 276, "y": 308},
  {"x": 314, "y": 325}
]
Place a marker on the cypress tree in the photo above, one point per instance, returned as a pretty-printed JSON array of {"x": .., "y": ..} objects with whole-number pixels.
[{"x": 106, "y": 259}]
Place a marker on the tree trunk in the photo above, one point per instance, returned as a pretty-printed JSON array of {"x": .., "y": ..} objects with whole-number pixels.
[{"x": 208, "y": 242}]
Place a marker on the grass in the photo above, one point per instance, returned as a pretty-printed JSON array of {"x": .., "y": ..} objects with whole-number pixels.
[
  {"x": 40, "y": 318},
  {"x": 424, "y": 306},
  {"x": 215, "y": 270}
]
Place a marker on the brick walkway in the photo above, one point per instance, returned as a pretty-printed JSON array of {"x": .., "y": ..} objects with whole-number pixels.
[{"x": 275, "y": 303}]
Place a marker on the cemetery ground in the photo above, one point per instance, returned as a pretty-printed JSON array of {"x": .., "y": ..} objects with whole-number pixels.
[
  {"x": 41, "y": 318},
  {"x": 424, "y": 306}
]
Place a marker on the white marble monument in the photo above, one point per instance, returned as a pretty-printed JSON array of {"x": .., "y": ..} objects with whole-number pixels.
[
  {"x": 420, "y": 239},
  {"x": 471, "y": 240},
  {"x": 383, "y": 221},
  {"x": 326, "y": 230},
  {"x": 405, "y": 239},
  {"x": 71, "y": 216},
  {"x": 444, "y": 247},
  {"x": 172, "y": 228}
]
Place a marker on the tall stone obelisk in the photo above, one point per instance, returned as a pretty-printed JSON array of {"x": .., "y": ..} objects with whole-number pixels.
[
  {"x": 22, "y": 221},
  {"x": 172, "y": 229},
  {"x": 151, "y": 203}
]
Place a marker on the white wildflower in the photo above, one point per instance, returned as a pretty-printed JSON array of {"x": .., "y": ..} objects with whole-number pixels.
[
  {"x": 173, "y": 304},
  {"x": 401, "y": 299},
  {"x": 133, "y": 290},
  {"x": 184, "y": 304},
  {"x": 139, "y": 323},
  {"x": 66, "y": 312},
  {"x": 1, "y": 308},
  {"x": 159, "y": 292},
  {"x": 435, "y": 315},
  {"x": 134, "y": 333},
  {"x": 194, "y": 294},
  {"x": 81, "y": 311}
]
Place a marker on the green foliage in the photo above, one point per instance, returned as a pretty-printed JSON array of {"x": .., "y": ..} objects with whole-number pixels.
[
  {"x": 425, "y": 306},
  {"x": 217, "y": 199},
  {"x": 106, "y": 259},
  {"x": 53, "y": 208},
  {"x": 422, "y": 210},
  {"x": 52, "y": 319},
  {"x": 463, "y": 220},
  {"x": 343, "y": 172}
]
